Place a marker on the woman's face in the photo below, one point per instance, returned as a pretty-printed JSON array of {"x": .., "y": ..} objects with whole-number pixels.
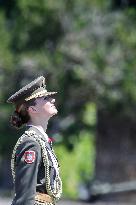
[{"x": 45, "y": 106}]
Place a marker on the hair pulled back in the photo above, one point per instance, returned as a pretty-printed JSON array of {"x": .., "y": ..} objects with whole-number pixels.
[{"x": 21, "y": 115}]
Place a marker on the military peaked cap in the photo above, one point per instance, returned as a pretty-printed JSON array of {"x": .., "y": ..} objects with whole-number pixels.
[{"x": 36, "y": 88}]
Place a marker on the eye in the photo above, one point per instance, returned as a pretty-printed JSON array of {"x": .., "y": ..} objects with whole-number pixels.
[{"x": 46, "y": 98}]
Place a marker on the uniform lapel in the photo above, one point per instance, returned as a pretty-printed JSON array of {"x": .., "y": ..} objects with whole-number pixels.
[{"x": 40, "y": 135}]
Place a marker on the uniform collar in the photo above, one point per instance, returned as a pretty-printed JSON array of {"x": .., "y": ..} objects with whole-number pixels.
[{"x": 41, "y": 130}]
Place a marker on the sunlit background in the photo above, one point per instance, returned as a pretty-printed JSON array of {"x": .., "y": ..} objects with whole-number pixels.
[{"x": 86, "y": 50}]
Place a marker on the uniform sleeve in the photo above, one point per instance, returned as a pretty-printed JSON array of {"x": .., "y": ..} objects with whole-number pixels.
[{"x": 28, "y": 158}]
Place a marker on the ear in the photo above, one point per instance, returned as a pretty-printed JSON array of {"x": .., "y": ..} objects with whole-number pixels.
[{"x": 32, "y": 109}]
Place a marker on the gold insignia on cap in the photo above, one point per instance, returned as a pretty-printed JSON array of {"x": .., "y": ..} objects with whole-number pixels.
[{"x": 40, "y": 94}]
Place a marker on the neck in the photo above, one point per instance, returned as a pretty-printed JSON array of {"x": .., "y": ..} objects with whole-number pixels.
[{"x": 39, "y": 123}]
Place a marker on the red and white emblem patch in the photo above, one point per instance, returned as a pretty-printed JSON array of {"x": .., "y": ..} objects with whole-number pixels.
[{"x": 29, "y": 156}]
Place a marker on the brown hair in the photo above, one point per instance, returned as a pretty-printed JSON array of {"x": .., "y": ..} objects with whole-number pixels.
[{"x": 21, "y": 115}]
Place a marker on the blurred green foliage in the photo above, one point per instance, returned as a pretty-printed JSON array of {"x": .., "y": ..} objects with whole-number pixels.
[
  {"x": 90, "y": 114},
  {"x": 77, "y": 167},
  {"x": 85, "y": 49}
]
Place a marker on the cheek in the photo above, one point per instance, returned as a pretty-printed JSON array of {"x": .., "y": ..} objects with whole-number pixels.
[
  {"x": 46, "y": 107},
  {"x": 49, "y": 109}
]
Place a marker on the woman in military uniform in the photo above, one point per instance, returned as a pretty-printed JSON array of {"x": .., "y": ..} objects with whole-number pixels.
[{"x": 34, "y": 164}]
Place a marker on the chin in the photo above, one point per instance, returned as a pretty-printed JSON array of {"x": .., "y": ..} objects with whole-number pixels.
[{"x": 55, "y": 112}]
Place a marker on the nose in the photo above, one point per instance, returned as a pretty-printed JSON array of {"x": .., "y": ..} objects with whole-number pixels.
[{"x": 52, "y": 100}]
